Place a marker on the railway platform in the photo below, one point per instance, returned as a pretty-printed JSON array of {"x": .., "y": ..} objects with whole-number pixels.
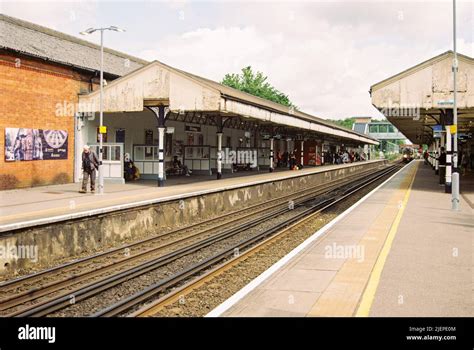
[
  {"x": 64, "y": 225},
  {"x": 399, "y": 251},
  {"x": 48, "y": 204}
]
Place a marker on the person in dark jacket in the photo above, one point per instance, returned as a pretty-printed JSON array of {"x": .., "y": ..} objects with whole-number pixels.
[
  {"x": 90, "y": 165},
  {"x": 442, "y": 157}
]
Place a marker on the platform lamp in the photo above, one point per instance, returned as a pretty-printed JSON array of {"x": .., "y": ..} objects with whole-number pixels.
[
  {"x": 455, "y": 176},
  {"x": 101, "y": 127}
]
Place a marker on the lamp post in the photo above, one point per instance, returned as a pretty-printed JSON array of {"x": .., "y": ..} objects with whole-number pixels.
[
  {"x": 455, "y": 177},
  {"x": 87, "y": 32}
]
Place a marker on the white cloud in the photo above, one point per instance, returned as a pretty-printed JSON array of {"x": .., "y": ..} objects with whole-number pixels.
[{"x": 325, "y": 56}]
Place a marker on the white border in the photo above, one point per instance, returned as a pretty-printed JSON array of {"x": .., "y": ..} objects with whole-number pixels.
[{"x": 219, "y": 310}]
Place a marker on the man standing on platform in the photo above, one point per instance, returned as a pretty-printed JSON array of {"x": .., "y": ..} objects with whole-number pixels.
[
  {"x": 90, "y": 164},
  {"x": 442, "y": 166}
]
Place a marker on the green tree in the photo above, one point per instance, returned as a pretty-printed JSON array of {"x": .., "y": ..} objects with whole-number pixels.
[
  {"x": 345, "y": 123},
  {"x": 256, "y": 84}
]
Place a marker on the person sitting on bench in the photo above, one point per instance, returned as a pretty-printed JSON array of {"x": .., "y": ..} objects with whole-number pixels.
[
  {"x": 181, "y": 167},
  {"x": 130, "y": 170}
]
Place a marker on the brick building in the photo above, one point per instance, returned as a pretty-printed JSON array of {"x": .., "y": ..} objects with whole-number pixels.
[{"x": 42, "y": 72}]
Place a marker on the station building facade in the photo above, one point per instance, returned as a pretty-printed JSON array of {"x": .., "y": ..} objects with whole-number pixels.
[
  {"x": 42, "y": 72},
  {"x": 46, "y": 76}
]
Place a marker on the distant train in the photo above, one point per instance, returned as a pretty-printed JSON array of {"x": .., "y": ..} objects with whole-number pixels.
[{"x": 407, "y": 154}]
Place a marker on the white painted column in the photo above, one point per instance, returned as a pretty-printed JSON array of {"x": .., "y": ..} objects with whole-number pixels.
[
  {"x": 219, "y": 155},
  {"x": 447, "y": 187},
  {"x": 271, "y": 154},
  {"x": 161, "y": 157},
  {"x": 302, "y": 152},
  {"x": 437, "y": 149}
]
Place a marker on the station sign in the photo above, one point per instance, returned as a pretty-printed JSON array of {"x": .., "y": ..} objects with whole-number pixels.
[
  {"x": 192, "y": 128},
  {"x": 446, "y": 103},
  {"x": 437, "y": 131}
]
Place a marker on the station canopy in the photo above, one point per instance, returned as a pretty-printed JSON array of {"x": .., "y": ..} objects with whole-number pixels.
[
  {"x": 191, "y": 98},
  {"x": 421, "y": 97}
]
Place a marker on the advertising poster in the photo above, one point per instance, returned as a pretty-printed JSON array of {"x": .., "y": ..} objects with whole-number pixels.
[{"x": 23, "y": 144}]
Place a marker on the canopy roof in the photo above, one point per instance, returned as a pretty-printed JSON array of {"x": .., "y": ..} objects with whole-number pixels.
[
  {"x": 420, "y": 97},
  {"x": 183, "y": 92}
]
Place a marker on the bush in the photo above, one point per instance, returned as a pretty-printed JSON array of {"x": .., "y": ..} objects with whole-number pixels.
[
  {"x": 392, "y": 157},
  {"x": 8, "y": 182}
]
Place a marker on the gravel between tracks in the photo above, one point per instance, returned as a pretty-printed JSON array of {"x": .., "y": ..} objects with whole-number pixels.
[
  {"x": 205, "y": 298},
  {"x": 134, "y": 285},
  {"x": 214, "y": 293}
]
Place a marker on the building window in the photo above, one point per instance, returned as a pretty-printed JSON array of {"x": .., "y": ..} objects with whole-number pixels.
[
  {"x": 383, "y": 128},
  {"x": 373, "y": 129},
  {"x": 391, "y": 129},
  {"x": 359, "y": 127}
]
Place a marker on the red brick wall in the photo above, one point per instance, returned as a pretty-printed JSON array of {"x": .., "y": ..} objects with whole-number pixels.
[{"x": 29, "y": 92}]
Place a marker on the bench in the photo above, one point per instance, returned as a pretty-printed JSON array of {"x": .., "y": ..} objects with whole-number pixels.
[
  {"x": 174, "y": 171},
  {"x": 241, "y": 166}
]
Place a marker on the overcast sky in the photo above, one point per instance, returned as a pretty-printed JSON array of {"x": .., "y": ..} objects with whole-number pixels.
[{"x": 324, "y": 54}]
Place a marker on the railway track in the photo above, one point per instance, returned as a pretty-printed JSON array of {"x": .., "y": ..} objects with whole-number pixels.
[
  {"x": 50, "y": 290},
  {"x": 210, "y": 268}
]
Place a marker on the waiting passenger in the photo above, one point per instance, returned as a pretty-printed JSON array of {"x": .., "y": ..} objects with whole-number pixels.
[
  {"x": 442, "y": 157},
  {"x": 426, "y": 156},
  {"x": 345, "y": 157},
  {"x": 293, "y": 161},
  {"x": 178, "y": 165},
  {"x": 90, "y": 165},
  {"x": 130, "y": 170},
  {"x": 278, "y": 159}
]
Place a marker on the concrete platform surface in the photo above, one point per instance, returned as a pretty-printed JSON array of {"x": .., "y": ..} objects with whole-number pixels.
[
  {"x": 400, "y": 252},
  {"x": 31, "y": 206}
]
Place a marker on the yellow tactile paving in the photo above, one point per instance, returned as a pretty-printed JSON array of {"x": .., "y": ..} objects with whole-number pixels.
[{"x": 343, "y": 294}]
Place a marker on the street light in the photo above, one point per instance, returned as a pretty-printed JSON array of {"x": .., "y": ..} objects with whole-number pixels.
[
  {"x": 455, "y": 179},
  {"x": 87, "y": 32}
]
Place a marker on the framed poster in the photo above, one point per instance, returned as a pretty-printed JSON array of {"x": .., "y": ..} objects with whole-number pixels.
[
  {"x": 120, "y": 135},
  {"x": 22, "y": 144},
  {"x": 148, "y": 136}
]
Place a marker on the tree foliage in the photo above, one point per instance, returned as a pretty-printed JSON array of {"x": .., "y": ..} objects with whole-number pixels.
[
  {"x": 345, "y": 123},
  {"x": 256, "y": 84}
]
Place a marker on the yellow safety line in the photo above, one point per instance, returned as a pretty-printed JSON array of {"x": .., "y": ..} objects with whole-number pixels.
[{"x": 374, "y": 279}]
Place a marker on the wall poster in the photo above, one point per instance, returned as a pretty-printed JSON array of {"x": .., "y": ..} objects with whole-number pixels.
[{"x": 23, "y": 144}]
